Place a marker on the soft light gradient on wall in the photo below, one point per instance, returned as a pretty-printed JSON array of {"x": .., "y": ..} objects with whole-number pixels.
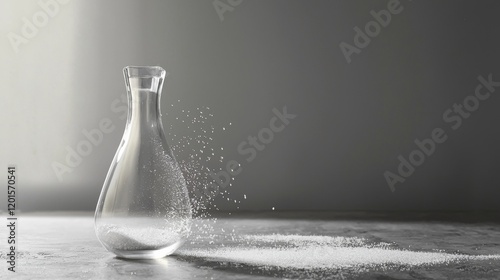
[{"x": 353, "y": 119}]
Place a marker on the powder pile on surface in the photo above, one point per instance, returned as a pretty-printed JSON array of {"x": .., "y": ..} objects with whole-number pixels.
[{"x": 323, "y": 252}]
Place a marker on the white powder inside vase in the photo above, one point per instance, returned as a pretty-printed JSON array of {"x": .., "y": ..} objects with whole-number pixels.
[{"x": 143, "y": 233}]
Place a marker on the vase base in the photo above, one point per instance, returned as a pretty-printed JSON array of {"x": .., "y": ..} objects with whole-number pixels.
[{"x": 148, "y": 254}]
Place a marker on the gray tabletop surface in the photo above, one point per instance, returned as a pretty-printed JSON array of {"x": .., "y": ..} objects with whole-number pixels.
[{"x": 64, "y": 246}]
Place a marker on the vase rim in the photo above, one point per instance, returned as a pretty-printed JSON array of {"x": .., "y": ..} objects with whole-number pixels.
[{"x": 144, "y": 71}]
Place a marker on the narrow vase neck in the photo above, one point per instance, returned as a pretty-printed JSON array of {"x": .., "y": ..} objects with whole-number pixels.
[
  {"x": 144, "y": 85},
  {"x": 144, "y": 108}
]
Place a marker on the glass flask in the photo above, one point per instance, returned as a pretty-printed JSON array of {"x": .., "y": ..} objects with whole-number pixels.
[{"x": 143, "y": 210}]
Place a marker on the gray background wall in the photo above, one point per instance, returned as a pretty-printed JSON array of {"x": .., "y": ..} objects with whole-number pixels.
[{"x": 353, "y": 119}]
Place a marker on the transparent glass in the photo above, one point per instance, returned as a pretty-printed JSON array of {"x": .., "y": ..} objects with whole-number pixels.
[{"x": 143, "y": 210}]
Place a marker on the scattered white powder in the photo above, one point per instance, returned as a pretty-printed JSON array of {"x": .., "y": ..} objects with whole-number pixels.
[
  {"x": 307, "y": 240},
  {"x": 323, "y": 252}
]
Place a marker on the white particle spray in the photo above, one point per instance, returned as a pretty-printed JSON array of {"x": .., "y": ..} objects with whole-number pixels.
[
  {"x": 290, "y": 252},
  {"x": 197, "y": 157}
]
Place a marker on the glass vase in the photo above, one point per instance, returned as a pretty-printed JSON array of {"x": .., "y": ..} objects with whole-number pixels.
[{"x": 143, "y": 210}]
